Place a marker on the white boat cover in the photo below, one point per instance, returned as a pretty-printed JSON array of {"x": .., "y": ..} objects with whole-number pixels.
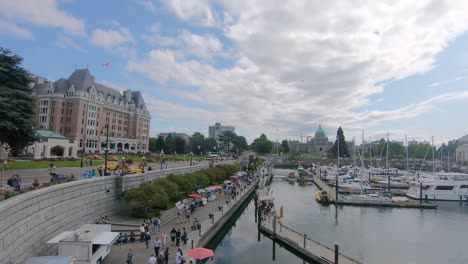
[{"x": 106, "y": 238}]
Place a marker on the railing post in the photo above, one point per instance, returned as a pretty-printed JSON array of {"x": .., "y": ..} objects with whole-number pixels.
[
  {"x": 281, "y": 227},
  {"x": 192, "y": 243},
  {"x": 305, "y": 237},
  {"x": 274, "y": 226},
  {"x": 336, "y": 253},
  {"x": 199, "y": 231}
]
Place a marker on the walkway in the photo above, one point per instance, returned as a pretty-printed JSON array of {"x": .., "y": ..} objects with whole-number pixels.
[{"x": 119, "y": 252}]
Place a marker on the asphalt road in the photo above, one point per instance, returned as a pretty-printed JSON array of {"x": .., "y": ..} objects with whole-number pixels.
[{"x": 28, "y": 175}]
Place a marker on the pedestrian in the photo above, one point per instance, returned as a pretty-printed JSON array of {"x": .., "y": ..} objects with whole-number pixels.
[
  {"x": 160, "y": 259},
  {"x": 86, "y": 163},
  {"x": 164, "y": 240},
  {"x": 179, "y": 217},
  {"x": 100, "y": 172},
  {"x": 173, "y": 235},
  {"x": 166, "y": 255},
  {"x": 187, "y": 215},
  {"x": 184, "y": 236},
  {"x": 178, "y": 235},
  {"x": 91, "y": 162},
  {"x": 142, "y": 232},
  {"x": 157, "y": 246},
  {"x": 157, "y": 225},
  {"x": 192, "y": 208},
  {"x": 130, "y": 255},
  {"x": 152, "y": 259},
  {"x": 147, "y": 239}
]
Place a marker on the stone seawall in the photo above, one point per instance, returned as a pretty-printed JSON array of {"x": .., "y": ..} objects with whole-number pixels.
[{"x": 29, "y": 220}]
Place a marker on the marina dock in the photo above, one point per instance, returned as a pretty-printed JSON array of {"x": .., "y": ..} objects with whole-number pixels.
[
  {"x": 323, "y": 186},
  {"x": 302, "y": 245},
  {"x": 389, "y": 204}
]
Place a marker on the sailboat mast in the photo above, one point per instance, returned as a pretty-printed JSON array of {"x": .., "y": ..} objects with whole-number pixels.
[
  {"x": 277, "y": 142},
  {"x": 387, "y": 153},
  {"x": 338, "y": 147},
  {"x": 407, "y": 161},
  {"x": 433, "y": 155}
]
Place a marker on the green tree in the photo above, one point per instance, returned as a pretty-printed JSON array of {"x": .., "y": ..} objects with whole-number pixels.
[
  {"x": 147, "y": 196},
  {"x": 197, "y": 140},
  {"x": 344, "y": 153},
  {"x": 262, "y": 145},
  {"x": 169, "y": 144},
  {"x": 171, "y": 188},
  {"x": 294, "y": 155},
  {"x": 211, "y": 145},
  {"x": 226, "y": 139},
  {"x": 160, "y": 144},
  {"x": 16, "y": 102},
  {"x": 179, "y": 145},
  {"x": 240, "y": 144},
  {"x": 152, "y": 147},
  {"x": 285, "y": 146}
]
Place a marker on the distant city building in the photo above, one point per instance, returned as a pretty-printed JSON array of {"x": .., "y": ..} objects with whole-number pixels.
[
  {"x": 79, "y": 108},
  {"x": 318, "y": 145},
  {"x": 175, "y": 134},
  {"x": 217, "y": 129},
  {"x": 462, "y": 149}
]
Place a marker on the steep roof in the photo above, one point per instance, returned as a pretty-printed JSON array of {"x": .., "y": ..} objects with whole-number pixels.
[{"x": 81, "y": 79}]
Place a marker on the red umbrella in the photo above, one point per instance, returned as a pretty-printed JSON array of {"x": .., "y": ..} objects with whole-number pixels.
[
  {"x": 234, "y": 177},
  {"x": 216, "y": 187},
  {"x": 194, "y": 195},
  {"x": 200, "y": 253}
]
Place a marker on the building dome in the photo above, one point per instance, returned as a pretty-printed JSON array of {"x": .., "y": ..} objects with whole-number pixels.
[{"x": 320, "y": 132}]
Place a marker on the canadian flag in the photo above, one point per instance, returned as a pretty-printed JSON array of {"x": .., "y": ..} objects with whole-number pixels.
[{"x": 106, "y": 65}]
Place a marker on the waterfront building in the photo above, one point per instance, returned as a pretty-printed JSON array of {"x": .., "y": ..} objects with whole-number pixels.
[
  {"x": 217, "y": 129},
  {"x": 82, "y": 109},
  {"x": 462, "y": 150},
  {"x": 51, "y": 145},
  {"x": 184, "y": 136},
  {"x": 318, "y": 145}
]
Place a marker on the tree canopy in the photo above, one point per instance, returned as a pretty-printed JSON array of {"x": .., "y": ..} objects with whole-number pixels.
[
  {"x": 226, "y": 139},
  {"x": 262, "y": 145},
  {"x": 16, "y": 102},
  {"x": 285, "y": 146},
  {"x": 344, "y": 153}
]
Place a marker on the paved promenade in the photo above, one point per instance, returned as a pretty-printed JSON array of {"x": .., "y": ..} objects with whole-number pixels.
[
  {"x": 28, "y": 175},
  {"x": 119, "y": 252}
]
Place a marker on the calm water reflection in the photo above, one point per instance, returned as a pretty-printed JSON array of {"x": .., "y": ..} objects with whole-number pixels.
[{"x": 371, "y": 235}]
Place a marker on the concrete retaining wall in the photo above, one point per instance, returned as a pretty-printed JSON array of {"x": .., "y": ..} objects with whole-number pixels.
[
  {"x": 29, "y": 220},
  {"x": 214, "y": 229}
]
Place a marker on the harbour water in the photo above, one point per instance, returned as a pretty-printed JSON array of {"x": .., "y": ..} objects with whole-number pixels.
[{"x": 370, "y": 235}]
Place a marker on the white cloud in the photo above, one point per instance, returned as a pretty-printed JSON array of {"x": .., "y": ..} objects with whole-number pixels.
[
  {"x": 64, "y": 41},
  {"x": 294, "y": 69},
  {"x": 148, "y": 4},
  {"x": 197, "y": 11},
  {"x": 12, "y": 28},
  {"x": 44, "y": 13},
  {"x": 112, "y": 39}
]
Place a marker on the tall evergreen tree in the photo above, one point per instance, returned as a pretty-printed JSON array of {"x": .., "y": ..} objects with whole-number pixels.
[
  {"x": 285, "y": 146},
  {"x": 16, "y": 102},
  {"x": 226, "y": 139},
  {"x": 160, "y": 144},
  {"x": 179, "y": 145},
  {"x": 344, "y": 153}
]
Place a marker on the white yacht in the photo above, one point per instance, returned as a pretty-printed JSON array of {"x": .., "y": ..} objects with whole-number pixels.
[
  {"x": 442, "y": 186},
  {"x": 355, "y": 186},
  {"x": 395, "y": 182}
]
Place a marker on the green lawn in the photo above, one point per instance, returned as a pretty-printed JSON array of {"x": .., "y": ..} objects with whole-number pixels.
[{"x": 76, "y": 163}]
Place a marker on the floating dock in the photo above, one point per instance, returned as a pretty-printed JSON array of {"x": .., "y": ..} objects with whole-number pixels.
[
  {"x": 323, "y": 186},
  {"x": 389, "y": 204},
  {"x": 301, "y": 245}
]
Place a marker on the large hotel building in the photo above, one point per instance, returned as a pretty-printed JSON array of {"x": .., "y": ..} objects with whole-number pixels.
[{"x": 80, "y": 109}]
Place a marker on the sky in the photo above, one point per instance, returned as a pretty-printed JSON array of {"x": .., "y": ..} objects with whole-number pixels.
[{"x": 274, "y": 67}]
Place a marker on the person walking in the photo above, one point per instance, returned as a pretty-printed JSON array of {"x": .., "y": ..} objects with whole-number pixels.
[
  {"x": 179, "y": 217},
  {"x": 157, "y": 246},
  {"x": 157, "y": 225},
  {"x": 160, "y": 258},
  {"x": 187, "y": 215},
  {"x": 173, "y": 235},
  {"x": 184, "y": 236},
  {"x": 142, "y": 232},
  {"x": 147, "y": 239},
  {"x": 152, "y": 259},
  {"x": 130, "y": 255},
  {"x": 166, "y": 255},
  {"x": 178, "y": 235},
  {"x": 164, "y": 240}
]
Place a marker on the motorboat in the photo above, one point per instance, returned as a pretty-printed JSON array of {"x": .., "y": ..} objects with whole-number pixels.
[
  {"x": 324, "y": 197},
  {"x": 440, "y": 187},
  {"x": 370, "y": 197},
  {"x": 301, "y": 171},
  {"x": 355, "y": 186},
  {"x": 394, "y": 183}
]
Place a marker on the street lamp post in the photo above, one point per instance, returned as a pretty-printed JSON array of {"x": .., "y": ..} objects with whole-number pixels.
[
  {"x": 107, "y": 149},
  {"x": 144, "y": 158},
  {"x": 161, "y": 155},
  {"x": 6, "y": 147},
  {"x": 191, "y": 155},
  {"x": 83, "y": 152}
]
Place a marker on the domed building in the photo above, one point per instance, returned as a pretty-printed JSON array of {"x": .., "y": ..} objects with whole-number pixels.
[{"x": 319, "y": 144}]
